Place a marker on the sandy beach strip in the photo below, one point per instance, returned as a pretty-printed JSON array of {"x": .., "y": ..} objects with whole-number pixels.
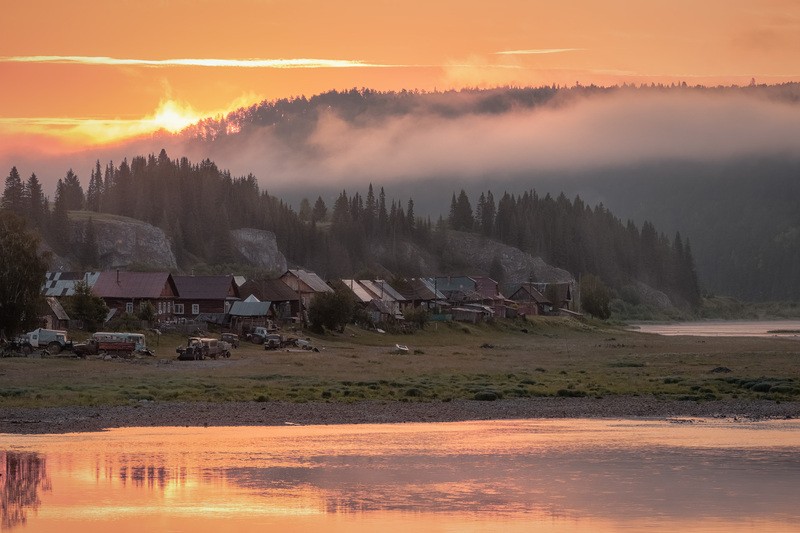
[{"x": 148, "y": 414}]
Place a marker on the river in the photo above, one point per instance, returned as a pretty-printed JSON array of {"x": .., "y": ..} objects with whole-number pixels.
[
  {"x": 725, "y": 328},
  {"x": 521, "y": 475}
]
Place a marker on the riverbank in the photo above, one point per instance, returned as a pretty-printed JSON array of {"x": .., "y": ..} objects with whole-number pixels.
[{"x": 48, "y": 420}]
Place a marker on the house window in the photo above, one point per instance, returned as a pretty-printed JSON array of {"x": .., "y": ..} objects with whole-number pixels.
[
  {"x": 129, "y": 308},
  {"x": 195, "y": 309},
  {"x": 178, "y": 309}
]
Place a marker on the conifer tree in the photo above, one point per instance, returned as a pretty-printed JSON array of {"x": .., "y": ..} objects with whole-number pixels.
[
  {"x": 13, "y": 194},
  {"x": 35, "y": 209}
]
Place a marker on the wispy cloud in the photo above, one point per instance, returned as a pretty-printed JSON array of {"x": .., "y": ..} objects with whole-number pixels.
[
  {"x": 538, "y": 51},
  {"x": 195, "y": 62}
]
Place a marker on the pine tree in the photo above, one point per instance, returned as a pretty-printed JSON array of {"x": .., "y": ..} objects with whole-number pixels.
[
  {"x": 58, "y": 234},
  {"x": 95, "y": 190},
  {"x": 72, "y": 194},
  {"x": 13, "y": 194},
  {"x": 320, "y": 211},
  {"x": 383, "y": 215},
  {"x": 411, "y": 226},
  {"x": 35, "y": 210}
]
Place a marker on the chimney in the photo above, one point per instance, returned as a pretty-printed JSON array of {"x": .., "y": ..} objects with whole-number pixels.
[{"x": 117, "y": 276}]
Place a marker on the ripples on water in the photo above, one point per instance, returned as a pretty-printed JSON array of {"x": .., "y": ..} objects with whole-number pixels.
[{"x": 563, "y": 475}]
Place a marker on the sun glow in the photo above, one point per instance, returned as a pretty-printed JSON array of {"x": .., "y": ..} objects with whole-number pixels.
[
  {"x": 59, "y": 135},
  {"x": 174, "y": 116}
]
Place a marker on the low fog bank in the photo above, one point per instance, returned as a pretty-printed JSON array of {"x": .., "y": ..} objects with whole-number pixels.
[
  {"x": 593, "y": 133},
  {"x": 566, "y": 136}
]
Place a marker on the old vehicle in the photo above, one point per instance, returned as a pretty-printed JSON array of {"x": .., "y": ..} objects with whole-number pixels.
[
  {"x": 230, "y": 338},
  {"x": 203, "y": 347},
  {"x": 52, "y": 340},
  {"x": 273, "y": 341},
  {"x": 259, "y": 334},
  {"x": 113, "y": 343}
]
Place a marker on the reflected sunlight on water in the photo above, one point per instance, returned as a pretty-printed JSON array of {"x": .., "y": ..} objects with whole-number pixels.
[{"x": 525, "y": 475}]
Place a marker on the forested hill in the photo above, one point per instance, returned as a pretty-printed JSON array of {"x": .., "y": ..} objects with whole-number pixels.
[
  {"x": 719, "y": 165},
  {"x": 198, "y": 204}
]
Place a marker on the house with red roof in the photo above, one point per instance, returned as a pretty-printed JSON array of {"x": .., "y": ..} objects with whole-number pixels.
[{"x": 127, "y": 292}]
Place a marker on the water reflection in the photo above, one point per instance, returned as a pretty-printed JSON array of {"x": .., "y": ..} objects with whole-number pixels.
[
  {"x": 23, "y": 476},
  {"x": 571, "y": 475}
]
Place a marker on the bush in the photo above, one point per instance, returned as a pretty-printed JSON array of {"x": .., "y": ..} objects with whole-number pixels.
[
  {"x": 595, "y": 297},
  {"x": 417, "y": 316},
  {"x": 486, "y": 396},
  {"x": 332, "y": 310}
]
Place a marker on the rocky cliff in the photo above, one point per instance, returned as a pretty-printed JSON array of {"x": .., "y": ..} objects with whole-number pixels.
[
  {"x": 518, "y": 267},
  {"x": 123, "y": 241},
  {"x": 259, "y": 248},
  {"x": 471, "y": 254}
]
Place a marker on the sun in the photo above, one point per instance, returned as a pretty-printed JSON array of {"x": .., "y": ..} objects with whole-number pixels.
[{"x": 173, "y": 116}]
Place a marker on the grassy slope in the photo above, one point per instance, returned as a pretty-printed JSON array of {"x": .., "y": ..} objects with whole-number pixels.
[{"x": 556, "y": 357}]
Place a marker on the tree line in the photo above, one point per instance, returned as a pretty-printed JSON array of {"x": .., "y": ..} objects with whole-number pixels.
[{"x": 198, "y": 204}]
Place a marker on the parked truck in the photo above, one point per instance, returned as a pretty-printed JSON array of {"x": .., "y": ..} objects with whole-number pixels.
[
  {"x": 202, "y": 347},
  {"x": 112, "y": 343},
  {"x": 52, "y": 340}
]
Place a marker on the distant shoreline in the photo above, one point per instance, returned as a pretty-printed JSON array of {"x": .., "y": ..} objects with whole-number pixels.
[{"x": 76, "y": 419}]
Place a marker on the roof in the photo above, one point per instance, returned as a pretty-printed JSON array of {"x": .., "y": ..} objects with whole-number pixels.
[
  {"x": 63, "y": 283},
  {"x": 273, "y": 290},
  {"x": 311, "y": 279},
  {"x": 120, "y": 284},
  {"x": 389, "y": 290},
  {"x": 456, "y": 283},
  {"x": 529, "y": 292},
  {"x": 361, "y": 293},
  {"x": 381, "y": 290},
  {"x": 205, "y": 287},
  {"x": 419, "y": 289},
  {"x": 250, "y": 308},
  {"x": 382, "y": 307}
]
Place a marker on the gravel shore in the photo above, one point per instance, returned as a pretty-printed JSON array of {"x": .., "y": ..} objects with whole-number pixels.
[{"x": 148, "y": 414}]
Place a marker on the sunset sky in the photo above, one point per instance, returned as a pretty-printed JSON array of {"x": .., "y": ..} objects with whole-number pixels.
[{"x": 83, "y": 72}]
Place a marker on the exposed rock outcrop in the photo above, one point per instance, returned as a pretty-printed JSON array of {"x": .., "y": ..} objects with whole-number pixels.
[
  {"x": 473, "y": 255},
  {"x": 652, "y": 297},
  {"x": 123, "y": 241},
  {"x": 259, "y": 248},
  {"x": 518, "y": 266}
]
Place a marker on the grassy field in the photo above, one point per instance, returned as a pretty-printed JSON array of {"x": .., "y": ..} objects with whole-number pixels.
[{"x": 541, "y": 357}]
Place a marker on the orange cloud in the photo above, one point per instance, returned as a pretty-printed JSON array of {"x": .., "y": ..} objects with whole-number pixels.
[{"x": 224, "y": 63}]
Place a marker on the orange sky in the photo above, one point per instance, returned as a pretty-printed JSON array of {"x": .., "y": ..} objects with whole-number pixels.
[{"x": 86, "y": 71}]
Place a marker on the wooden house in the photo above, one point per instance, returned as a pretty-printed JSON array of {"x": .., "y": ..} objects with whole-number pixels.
[
  {"x": 204, "y": 295},
  {"x": 530, "y": 301},
  {"x": 127, "y": 292},
  {"x": 306, "y": 285},
  {"x": 285, "y": 301}
]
